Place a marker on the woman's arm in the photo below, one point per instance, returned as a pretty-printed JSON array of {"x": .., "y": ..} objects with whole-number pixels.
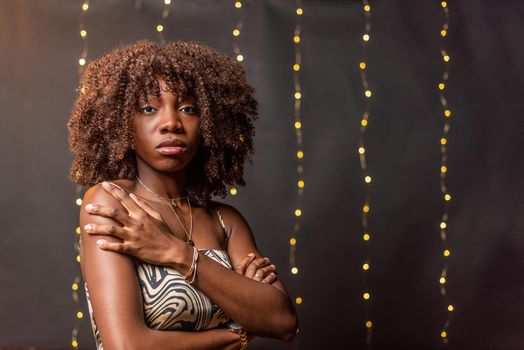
[{"x": 116, "y": 299}]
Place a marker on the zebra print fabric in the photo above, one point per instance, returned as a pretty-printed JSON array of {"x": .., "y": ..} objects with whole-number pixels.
[{"x": 170, "y": 303}]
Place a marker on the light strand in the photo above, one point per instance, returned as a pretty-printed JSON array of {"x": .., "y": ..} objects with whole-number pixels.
[
  {"x": 160, "y": 26},
  {"x": 75, "y": 285},
  {"x": 445, "y": 195},
  {"x": 366, "y": 177},
  {"x": 297, "y": 125},
  {"x": 239, "y": 56}
]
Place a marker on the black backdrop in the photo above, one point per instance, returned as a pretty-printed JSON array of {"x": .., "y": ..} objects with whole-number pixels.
[{"x": 39, "y": 49}]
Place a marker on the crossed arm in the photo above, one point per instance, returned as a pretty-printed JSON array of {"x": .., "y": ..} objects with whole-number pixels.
[{"x": 261, "y": 308}]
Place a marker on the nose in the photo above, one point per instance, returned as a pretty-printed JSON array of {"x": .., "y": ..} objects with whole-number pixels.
[{"x": 169, "y": 121}]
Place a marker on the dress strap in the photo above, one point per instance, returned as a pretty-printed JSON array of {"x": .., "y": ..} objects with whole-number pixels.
[{"x": 222, "y": 222}]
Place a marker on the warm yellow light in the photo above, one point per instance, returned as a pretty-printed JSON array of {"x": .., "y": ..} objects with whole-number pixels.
[
  {"x": 79, "y": 314},
  {"x": 298, "y": 95},
  {"x": 294, "y": 270},
  {"x": 238, "y": 4},
  {"x": 83, "y": 33},
  {"x": 443, "y": 225},
  {"x": 365, "y": 208},
  {"x": 443, "y": 334},
  {"x": 365, "y": 267},
  {"x": 233, "y": 191},
  {"x": 81, "y": 61},
  {"x": 443, "y": 169},
  {"x": 369, "y": 324},
  {"x": 361, "y": 150},
  {"x": 300, "y": 183},
  {"x": 298, "y": 300},
  {"x": 78, "y": 201},
  {"x": 367, "y": 179},
  {"x": 300, "y": 154},
  {"x": 292, "y": 241},
  {"x": 78, "y": 258},
  {"x": 85, "y": 6},
  {"x": 447, "y": 113},
  {"x": 365, "y": 37},
  {"x": 450, "y": 308},
  {"x": 443, "y": 33},
  {"x": 446, "y": 58},
  {"x": 296, "y": 39},
  {"x": 241, "y": 137},
  {"x": 442, "y": 280},
  {"x": 240, "y": 58},
  {"x": 77, "y": 230},
  {"x": 367, "y": 8},
  {"x": 366, "y": 237},
  {"x": 159, "y": 28},
  {"x": 74, "y": 344},
  {"x": 366, "y": 296},
  {"x": 167, "y": 2},
  {"x": 236, "y": 32},
  {"x": 447, "y": 197},
  {"x": 74, "y": 286},
  {"x": 368, "y": 93},
  {"x": 296, "y": 67},
  {"x": 447, "y": 252},
  {"x": 444, "y": 4},
  {"x": 443, "y": 141},
  {"x": 441, "y": 86},
  {"x": 362, "y": 65},
  {"x": 298, "y": 212},
  {"x": 298, "y": 125},
  {"x": 364, "y": 122},
  {"x": 300, "y": 11}
]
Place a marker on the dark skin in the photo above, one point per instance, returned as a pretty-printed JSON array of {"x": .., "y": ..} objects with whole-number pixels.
[{"x": 136, "y": 225}]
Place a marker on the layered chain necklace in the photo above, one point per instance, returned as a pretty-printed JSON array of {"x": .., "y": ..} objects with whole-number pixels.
[{"x": 172, "y": 202}]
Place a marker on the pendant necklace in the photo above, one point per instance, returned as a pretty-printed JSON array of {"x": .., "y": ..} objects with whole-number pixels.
[{"x": 172, "y": 205}]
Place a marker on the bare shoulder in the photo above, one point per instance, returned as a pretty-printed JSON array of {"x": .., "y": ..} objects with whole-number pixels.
[
  {"x": 231, "y": 216},
  {"x": 97, "y": 193}
]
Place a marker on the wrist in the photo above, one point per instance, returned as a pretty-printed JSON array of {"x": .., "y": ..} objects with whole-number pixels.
[
  {"x": 181, "y": 257},
  {"x": 241, "y": 332}
]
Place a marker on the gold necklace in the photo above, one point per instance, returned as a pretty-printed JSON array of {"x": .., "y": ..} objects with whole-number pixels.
[{"x": 172, "y": 205}]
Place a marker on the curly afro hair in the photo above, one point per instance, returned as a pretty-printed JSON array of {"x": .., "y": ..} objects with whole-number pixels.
[{"x": 111, "y": 87}]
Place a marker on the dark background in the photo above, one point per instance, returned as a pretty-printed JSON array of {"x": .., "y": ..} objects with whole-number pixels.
[{"x": 39, "y": 49}]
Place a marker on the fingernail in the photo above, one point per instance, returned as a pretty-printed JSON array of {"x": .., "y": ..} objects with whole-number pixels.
[
  {"x": 100, "y": 243},
  {"x": 273, "y": 266},
  {"x": 88, "y": 227},
  {"x": 106, "y": 185},
  {"x": 266, "y": 259},
  {"x": 251, "y": 254},
  {"x": 89, "y": 207}
]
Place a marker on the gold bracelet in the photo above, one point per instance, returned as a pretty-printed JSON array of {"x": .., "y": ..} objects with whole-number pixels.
[{"x": 243, "y": 337}]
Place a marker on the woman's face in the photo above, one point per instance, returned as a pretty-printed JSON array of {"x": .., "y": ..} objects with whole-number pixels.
[{"x": 166, "y": 132}]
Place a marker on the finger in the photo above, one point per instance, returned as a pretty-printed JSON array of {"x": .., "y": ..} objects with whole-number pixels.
[
  {"x": 241, "y": 266},
  {"x": 146, "y": 207},
  {"x": 255, "y": 265},
  {"x": 111, "y": 246},
  {"x": 261, "y": 273},
  {"x": 108, "y": 212},
  {"x": 120, "y": 194},
  {"x": 109, "y": 230},
  {"x": 272, "y": 277}
]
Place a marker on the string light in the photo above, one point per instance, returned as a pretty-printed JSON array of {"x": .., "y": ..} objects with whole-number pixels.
[
  {"x": 239, "y": 56},
  {"x": 364, "y": 123},
  {"x": 160, "y": 26},
  {"x": 82, "y": 30},
  {"x": 446, "y": 196},
  {"x": 297, "y": 123}
]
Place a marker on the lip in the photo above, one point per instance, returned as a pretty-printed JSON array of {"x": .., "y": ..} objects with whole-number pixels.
[{"x": 171, "y": 147}]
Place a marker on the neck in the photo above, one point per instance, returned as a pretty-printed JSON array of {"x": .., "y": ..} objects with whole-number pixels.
[{"x": 171, "y": 185}]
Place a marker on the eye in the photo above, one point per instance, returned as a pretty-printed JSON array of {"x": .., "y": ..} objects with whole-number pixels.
[
  {"x": 189, "y": 110},
  {"x": 147, "y": 110}
]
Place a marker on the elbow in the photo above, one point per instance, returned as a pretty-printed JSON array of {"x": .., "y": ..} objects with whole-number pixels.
[{"x": 288, "y": 327}]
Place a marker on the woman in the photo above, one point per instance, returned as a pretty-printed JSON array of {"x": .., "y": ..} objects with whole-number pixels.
[{"x": 157, "y": 131}]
